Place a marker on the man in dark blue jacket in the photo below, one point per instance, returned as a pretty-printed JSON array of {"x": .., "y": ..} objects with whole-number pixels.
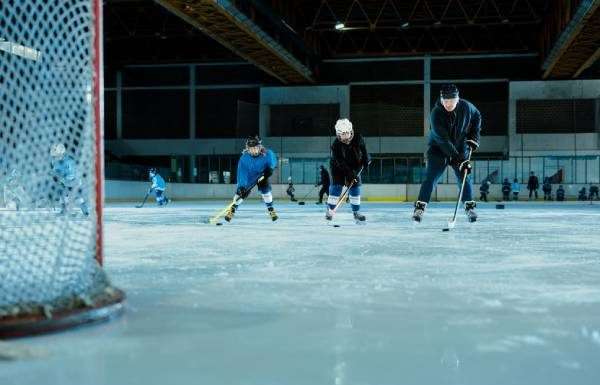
[{"x": 455, "y": 126}]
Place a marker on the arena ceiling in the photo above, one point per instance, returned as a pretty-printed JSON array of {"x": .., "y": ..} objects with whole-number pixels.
[{"x": 288, "y": 38}]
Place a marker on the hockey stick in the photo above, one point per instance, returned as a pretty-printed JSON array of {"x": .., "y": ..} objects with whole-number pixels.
[
  {"x": 302, "y": 203},
  {"x": 452, "y": 222},
  {"x": 144, "y": 201},
  {"x": 215, "y": 218}
]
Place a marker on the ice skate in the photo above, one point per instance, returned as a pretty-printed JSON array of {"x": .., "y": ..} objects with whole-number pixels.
[
  {"x": 359, "y": 218},
  {"x": 470, "y": 211},
  {"x": 329, "y": 214},
  {"x": 229, "y": 214},
  {"x": 419, "y": 211},
  {"x": 273, "y": 214}
]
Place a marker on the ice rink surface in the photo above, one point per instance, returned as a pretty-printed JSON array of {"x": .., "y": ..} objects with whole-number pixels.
[{"x": 512, "y": 299}]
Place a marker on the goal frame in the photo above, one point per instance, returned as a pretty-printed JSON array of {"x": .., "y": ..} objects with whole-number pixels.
[{"x": 109, "y": 304}]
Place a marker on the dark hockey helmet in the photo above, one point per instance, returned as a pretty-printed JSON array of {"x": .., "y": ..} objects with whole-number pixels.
[
  {"x": 253, "y": 141},
  {"x": 449, "y": 91},
  {"x": 254, "y": 146},
  {"x": 151, "y": 172}
]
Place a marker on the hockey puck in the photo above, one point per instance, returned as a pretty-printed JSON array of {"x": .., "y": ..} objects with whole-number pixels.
[
  {"x": 301, "y": 203},
  {"x": 445, "y": 229},
  {"x": 219, "y": 224},
  {"x": 500, "y": 207},
  {"x": 336, "y": 225}
]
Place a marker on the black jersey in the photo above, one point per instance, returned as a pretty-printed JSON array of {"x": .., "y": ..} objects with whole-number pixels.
[{"x": 347, "y": 158}]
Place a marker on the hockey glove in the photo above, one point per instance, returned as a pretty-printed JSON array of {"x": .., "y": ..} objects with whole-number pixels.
[
  {"x": 473, "y": 145},
  {"x": 462, "y": 165},
  {"x": 352, "y": 177},
  {"x": 268, "y": 172}
]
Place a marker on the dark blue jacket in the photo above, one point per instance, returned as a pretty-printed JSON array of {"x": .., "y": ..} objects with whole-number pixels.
[{"x": 450, "y": 130}]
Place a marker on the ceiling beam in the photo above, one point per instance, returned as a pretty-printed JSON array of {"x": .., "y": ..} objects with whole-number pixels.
[
  {"x": 576, "y": 45},
  {"x": 223, "y": 22}
]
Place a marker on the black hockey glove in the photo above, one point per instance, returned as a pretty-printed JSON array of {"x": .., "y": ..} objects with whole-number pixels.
[
  {"x": 473, "y": 145},
  {"x": 268, "y": 172},
  {"x": 352, "y": 176},
  {"x": 462, "y": 164},
  {"x": 262, "y": 182},
  {"x": 242, "y": 192}
]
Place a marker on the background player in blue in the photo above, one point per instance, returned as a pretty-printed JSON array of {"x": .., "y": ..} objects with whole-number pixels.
[
  {"x": 348, "y": 156},
  {"x": 158, "y": 187},
  {"x": 455, "y": 126},
  {"x": 14, "y": 192},
  {"x": 256, "y": 164},
  {"x": 64, "y": 172}
]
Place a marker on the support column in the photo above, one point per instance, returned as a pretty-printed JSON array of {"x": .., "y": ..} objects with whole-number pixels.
[
  {"x": 192, "y": 99},
  {"x": 264, "y": 119},
  {"x": 192, "y": 169},
  {"x": 119, "y": 105},
  {"x": 426, "y": 99}
]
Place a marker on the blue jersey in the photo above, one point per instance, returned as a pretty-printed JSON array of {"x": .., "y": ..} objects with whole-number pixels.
[
  {"x": 158, "y": 183},
  {"x": 250, "y": 168},
  {"x": 65, "y": 170}
]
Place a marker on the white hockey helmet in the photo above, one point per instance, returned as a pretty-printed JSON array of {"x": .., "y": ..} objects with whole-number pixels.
[
  {"x": 344, "y": 130},
  {"x": 58, "y": 150}
]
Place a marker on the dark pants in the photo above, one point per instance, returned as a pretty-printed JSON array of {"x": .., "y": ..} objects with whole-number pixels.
[
  {"x": 533, "y": 192},
  {"x": 436, "y": 165},
  {"x": 324, "y": 190},
  {"x": 291, "y": 195},
  {"x": 505, "y": 195},
  {"x": 483, "y": 196}
]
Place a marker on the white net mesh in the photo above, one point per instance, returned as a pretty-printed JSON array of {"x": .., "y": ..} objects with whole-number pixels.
[{"x": 48, "y": 228}]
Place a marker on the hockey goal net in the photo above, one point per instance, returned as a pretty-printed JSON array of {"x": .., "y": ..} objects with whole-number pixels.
[{"x": 51, "y": 167}]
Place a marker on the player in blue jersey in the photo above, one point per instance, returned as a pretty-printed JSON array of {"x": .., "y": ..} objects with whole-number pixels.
[
  {"x": 158, "y": 187},
  {"x": 64, "y": 172},
  {"x": 255, "y": 167}
]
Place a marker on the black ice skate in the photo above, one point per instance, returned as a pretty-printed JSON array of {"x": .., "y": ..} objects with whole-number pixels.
[
  {"x": 273, "y": 214},
  {"x": 359, "y": 218},
  {"x": 229, "y": 214},
  {"x": 470, "y": 211},
  {"x": 419, "y": 211}
]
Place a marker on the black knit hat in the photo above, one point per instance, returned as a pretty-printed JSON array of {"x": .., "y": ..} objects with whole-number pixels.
[{"x": 449, "y": 91}]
